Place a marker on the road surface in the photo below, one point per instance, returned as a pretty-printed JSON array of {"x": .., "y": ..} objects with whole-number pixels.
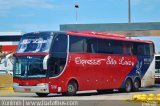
[{"x": 113, "y": 98}]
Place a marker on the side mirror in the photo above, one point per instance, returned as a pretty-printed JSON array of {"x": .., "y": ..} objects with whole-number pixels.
[{"x": 45, "y": 62}]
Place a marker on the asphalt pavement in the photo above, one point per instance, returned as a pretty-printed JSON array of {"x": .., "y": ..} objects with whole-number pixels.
[{"x": 92, "y": 97}]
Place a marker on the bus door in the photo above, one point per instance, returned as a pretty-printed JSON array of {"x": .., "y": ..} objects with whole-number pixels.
[{"x": 57, "y": 61}]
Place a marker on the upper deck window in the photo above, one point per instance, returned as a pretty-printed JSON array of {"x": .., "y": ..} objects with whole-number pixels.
[{"x": 31, "y": 43}]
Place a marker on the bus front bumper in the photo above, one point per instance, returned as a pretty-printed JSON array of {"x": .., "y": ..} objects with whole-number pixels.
[{"x": 39, "y": 88}]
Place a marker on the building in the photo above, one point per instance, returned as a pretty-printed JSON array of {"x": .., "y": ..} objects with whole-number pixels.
[
  {"x": 9, "y": 41},
  {"x": 8, "y": 45}
]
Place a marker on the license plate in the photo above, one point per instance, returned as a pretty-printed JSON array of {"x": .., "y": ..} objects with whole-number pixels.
[{"x": 27, "y": 89}]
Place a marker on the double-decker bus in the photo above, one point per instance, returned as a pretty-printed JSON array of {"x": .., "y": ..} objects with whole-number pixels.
[{"x": 67, "y": 62}]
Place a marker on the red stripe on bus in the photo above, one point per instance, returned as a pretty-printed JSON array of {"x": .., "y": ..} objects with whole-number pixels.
[{"x": 31, "y": 54}]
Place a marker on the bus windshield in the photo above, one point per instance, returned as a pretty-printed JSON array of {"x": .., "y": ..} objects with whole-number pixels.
[
  {"x": 31, "y": 43},
  {"x": 29, "y": 67}
]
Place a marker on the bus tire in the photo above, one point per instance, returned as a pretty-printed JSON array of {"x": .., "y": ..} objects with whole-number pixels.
[
  {"x": 71, "y": 89},
  {"x": 42, "y": 94},
  {"x": 136, "y": 85},
  {"x": 128, "y": 85}
]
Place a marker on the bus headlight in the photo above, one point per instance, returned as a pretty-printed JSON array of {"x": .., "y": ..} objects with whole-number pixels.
[{"x": 43, "y": 87}]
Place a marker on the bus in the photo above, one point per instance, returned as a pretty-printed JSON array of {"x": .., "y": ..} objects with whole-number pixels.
[
  {"x": 71, "y": 61},
  {"x": 157, "y": 68}
]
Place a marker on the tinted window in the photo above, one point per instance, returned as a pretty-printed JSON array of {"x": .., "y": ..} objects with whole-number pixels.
[
  {"x": 104, "y": 46},
  {"x": 35, "y": 43},
  {"x": 91, "y": 45},
  {"x": 157, "y": 63},
  {"x": 58, "y": 58},
  {"x": 117, "y": 47},
  {"x": 76, "y": 44},
  {"x": 60, "y": 44},
  {"x": 152, "y": 50},
  {"x": 59, "y": 47},
  {"x": 142, "y": 49},
  {"x": 128, "y": 48},
  {"x": 94, "y": 45}
]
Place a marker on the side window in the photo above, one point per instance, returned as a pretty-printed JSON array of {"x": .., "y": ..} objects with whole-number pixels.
[
  {"x": 117, "y": 47},
  {"x": 58, "y": 56},
  {"x": 91, "y": 45},
  {"x": 76, "y": 44},
  {"x": 146, "y": 50},
  {"x": 152, "y": 50},
  {"x": 157, "y": 64},
  {"x": 128, "y": 48},
  {"x": 60, "y": 44},
  {"x": 99, "y": 46},
  {"x": 143, "y": 49},
  {"x": 140, "y": 50},
  {"x": 104, "y": 46}
]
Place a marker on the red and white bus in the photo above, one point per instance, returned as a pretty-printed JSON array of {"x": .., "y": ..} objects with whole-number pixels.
[{"x": 67, "y": 62}]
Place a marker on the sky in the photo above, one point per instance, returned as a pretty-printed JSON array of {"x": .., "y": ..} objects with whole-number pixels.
[
  {"x": 47, "y": 15},
  {"x": 44, "y": 15}
]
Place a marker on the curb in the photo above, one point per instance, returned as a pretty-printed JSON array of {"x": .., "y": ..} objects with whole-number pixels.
[{"x": 3, "y": 88}]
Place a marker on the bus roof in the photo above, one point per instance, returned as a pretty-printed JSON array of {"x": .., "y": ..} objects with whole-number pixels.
[
  {"x": 97, "y": 35},
  {"x": 106, "y": 36}
]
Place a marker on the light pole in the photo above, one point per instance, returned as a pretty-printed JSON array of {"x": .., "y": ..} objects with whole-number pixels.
[
  {"x": 129, "y": 11},
  {"x": 76, "y": 7}
]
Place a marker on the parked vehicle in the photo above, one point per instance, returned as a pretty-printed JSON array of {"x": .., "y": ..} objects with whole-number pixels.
[{"x": 67, "y": 62}]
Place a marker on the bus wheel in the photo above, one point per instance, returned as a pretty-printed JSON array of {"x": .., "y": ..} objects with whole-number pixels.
[
  {"x": 71, "y": 89},
  {"x": 136, "y": 85},
  {"x": 128, "y": 85},
  {"x": 42, "y": 94}
]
